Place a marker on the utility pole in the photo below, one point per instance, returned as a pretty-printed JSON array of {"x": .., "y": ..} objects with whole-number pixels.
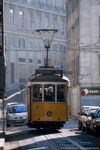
[{"x": 2, "y": 63}]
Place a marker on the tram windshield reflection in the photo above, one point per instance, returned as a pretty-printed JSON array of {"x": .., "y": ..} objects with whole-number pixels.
[
  {"x": 61, "y": 93},
  {"x": 37, "y": 93},
  {"x": 49, "y": 93}
]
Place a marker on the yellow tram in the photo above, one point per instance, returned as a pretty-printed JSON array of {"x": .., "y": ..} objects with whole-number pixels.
[{"x": 46, "y": 98}]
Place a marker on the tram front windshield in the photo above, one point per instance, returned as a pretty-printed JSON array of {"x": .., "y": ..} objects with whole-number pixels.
[{"x": 49, "y": 93}]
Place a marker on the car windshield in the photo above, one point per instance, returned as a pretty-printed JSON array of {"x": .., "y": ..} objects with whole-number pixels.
[
  {"x": 92, "y": 112},
  {"x": 98, "y": 115},
  {"x": 17, "y": 109},
  {"x": 84, "y": 111}
]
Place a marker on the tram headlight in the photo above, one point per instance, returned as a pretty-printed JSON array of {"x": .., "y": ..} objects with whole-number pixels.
[{"x": 49, "y": 113}]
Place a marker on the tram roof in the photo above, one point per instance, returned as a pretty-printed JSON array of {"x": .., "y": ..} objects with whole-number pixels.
[
  {"x": 48, "y": 74},
  {"x": 50, "y": 78}
]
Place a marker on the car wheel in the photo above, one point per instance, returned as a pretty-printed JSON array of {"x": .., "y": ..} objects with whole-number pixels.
[
  {"x": 8, "y": 125},
  {"x": 87, "y": 129},
  {"x": 79, "y": 126},
  {"x": 94, "y": 132},
  {"x": 83, "y": 128}
]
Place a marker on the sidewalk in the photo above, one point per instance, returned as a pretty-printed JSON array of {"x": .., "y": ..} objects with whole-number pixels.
[{"x": 72, "y": 122}]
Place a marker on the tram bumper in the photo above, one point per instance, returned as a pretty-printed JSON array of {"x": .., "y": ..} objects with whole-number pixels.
[{"x": 46, "y": 124}]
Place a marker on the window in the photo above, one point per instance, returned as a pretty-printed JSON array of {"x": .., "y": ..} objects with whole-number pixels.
[
  {"x": 21, "y": 19},
  {"x": 30, "y": 61},
  {"x": 47, "y": 2},
  {"x": 12, "y": 42},
  {"x": 22, "y": 60},
  {"x": 54, "y": 47},
  {"x": 38, "y": 46},
  {"x": 49, "y": 93},
  {"x": 30, "y": 20},
  {"x": 54, "y": 2},
  {"x": 37, "y": 93},
  {"x": 61, "y": 93},
  {"x": 47, "y": 22},
  {"x": 55, "y": 23},
  {"x": 11, "y": 17},
  {"x": 98, "y": 115},
  {"x": 22, "y": 1},
  {"x": 62, "y": 3},
  {"x": 30, "y": 44},
  {"x": 38, "y": 21},
  {"x": 92, "y": 112},
  {"x": 39, "y": 62},
  {"x": 62, "y": 26},
  {"x": 29, "y": 2},
  {"x": 21, "y": 43},
  {"x": 62, "y": 49}
]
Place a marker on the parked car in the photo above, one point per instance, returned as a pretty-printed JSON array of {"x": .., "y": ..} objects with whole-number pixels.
[
  {"x": 16, "y": 113},
  {"x": 95, "y": 123},
  {"x": 82, "y": 115},
  {"x": 88, "y": 116}
]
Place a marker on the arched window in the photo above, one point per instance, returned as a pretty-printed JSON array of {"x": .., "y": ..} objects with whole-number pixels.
[{"x": 21, "y": 43}]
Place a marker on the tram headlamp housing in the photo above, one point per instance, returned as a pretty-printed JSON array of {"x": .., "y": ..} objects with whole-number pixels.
[{"x": 49, "y": 113}]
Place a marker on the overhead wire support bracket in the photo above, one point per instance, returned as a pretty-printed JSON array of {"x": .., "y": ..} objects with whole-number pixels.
[{"x": 46, "y": 41}]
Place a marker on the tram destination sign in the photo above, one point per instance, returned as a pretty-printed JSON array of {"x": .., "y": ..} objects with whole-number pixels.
[{"x": 49, "y": 72}]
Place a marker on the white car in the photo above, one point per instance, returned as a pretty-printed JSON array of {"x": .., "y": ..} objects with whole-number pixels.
[{"x": 16, "y": 113}]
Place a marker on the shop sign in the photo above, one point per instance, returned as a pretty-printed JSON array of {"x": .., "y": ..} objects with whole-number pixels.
[{"x": 91, "y": 91}]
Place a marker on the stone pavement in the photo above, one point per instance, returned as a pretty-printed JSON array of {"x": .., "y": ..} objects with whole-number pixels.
[{"x": 71, "y": 123}]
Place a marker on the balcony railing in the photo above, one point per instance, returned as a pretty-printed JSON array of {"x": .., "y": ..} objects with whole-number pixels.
[{"x": 38, "y": 6}]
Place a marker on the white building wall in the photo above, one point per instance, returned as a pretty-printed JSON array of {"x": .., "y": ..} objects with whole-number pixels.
[
  {"x": 26, "y": 33},
  {"x": 89, "y": 46}
]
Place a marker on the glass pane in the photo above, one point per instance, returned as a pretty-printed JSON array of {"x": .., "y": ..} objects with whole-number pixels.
[
  {"x": 98, "y": 115},
  {"x": 92, "y": 112},
  {"x": 49, "y": 93},
  {"x": 37, "y": 93},
  {"x": 61, "y": 93}
]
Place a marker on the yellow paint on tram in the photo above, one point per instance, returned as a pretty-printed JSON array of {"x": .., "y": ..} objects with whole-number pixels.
[{"x": 58, "y": 110}]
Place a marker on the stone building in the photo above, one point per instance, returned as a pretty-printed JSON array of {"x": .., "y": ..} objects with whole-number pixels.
[
  {"x": 23, "y": 47},
  {"x": 83, "y": 52}
]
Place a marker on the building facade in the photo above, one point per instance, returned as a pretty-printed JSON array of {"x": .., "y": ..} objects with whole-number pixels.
[
  {"x": 23, "y": 45},
  {"x": 83, "y": 52}
]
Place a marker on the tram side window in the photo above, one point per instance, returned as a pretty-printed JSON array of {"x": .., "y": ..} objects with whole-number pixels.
[
  {"x": 49, "y": 93},
  {"x": 61, "y": 93},
  {"x": 37, "y": 93}
]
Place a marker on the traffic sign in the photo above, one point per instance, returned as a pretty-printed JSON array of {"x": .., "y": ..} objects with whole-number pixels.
[{"x": 83, "y": 93}]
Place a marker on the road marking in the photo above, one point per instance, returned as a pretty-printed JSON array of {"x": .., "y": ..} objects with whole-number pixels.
[{"x": 39, "y": 148}]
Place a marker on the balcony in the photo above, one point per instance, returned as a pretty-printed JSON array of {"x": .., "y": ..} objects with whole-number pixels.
[{"x": 38, "y": 6}]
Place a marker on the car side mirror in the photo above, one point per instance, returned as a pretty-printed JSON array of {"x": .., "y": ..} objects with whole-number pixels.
[
  {"x": 85, "y": 115},
  {"x": 78, "y": 113}
]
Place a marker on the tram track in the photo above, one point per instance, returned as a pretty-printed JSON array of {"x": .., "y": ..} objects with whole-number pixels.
[{"x": 61, "y": 142}]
